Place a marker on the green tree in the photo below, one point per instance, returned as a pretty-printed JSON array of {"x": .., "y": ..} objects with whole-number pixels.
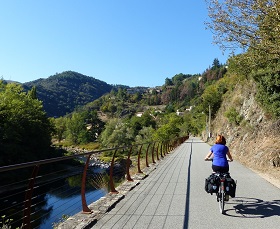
[
  {"x": 60, "y": 128},
  {"x": 145, "y": 135},
  {"x": 76, "y": 128},
  {"x": 112, "y": 108},
  {"x": 250, "y": 25},
  {"x": 147, "y": 120},
  {"x": 33, "y": 93},
  {"x": 179, "y": 78},
  {"x": 169, "y": 128},
  {"x": 136, "y": 97},
  {"x": 25, "y": 130},
  {"x": 268, "y": 81},
  {"x": 122, "y": 94},
  {"x": 168, "y": 82},
  {"x": 138, "y": 123},
  {"x": 94, "y": 125},
  {"x": 213, "y": 98},
  {"x": 216, "y": 64},
  {"x": 116, "y": 133},
  {"x": 187, "y": 127}
]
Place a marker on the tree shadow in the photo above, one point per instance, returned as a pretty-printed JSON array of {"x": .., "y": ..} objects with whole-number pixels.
[{"x": 246, "y": 207}]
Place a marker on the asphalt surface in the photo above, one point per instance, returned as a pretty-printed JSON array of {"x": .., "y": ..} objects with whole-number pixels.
[{"x": 173, "y": 197}]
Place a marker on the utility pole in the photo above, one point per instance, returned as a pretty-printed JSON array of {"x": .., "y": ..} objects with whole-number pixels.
[
  {"x": 209, "y": 122},
  {"x": 206, "y": 125}
]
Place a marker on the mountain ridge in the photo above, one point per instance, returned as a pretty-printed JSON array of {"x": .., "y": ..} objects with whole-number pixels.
[{"x": 63, "y": 92}]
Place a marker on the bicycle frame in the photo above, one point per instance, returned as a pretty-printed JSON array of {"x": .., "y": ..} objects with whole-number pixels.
[{"x": 221, "y": 195}]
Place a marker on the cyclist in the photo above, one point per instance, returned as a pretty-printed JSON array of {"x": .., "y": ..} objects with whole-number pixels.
[{"x": 220, "y": 152}]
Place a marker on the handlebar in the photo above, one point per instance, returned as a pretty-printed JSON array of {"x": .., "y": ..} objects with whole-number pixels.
[{"x": 211, "y": 159}]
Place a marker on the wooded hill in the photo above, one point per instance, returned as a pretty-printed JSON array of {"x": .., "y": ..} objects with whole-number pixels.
[{"x": 63, "y": 92}]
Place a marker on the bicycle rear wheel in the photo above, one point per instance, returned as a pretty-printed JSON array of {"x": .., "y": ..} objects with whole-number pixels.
[{"x": 222, "y": 202}]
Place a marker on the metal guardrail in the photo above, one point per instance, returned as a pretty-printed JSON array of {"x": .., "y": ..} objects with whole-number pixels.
[{"x": 17, "y": 181}]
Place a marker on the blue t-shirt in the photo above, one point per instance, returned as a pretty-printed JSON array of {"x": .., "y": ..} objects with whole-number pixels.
[{"x": 220, "y": 152}]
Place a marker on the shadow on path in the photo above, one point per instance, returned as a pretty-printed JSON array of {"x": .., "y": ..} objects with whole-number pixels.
[
  {"x": 186, "y": 221},
  {"x": 253, "y": 208}
]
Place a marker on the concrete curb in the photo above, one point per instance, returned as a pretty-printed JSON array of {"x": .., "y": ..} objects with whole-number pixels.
[{"x": 105, "y": 204}]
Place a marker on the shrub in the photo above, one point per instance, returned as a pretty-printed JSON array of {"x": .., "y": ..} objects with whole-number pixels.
[
  {"x": 233, "y": 116},
  {"x": 268, "y": 81}
]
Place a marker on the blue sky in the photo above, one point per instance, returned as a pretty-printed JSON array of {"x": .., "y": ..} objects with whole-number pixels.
[{"x": 129, "y": 42}]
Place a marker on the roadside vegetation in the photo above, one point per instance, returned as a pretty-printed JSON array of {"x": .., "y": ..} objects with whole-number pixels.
[
  {"x": 124, "y": 117},
  {"x": 25, "y": 130}
]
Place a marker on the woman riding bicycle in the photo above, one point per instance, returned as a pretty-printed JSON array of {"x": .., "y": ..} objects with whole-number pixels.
[{"x": 220, "y": 152}]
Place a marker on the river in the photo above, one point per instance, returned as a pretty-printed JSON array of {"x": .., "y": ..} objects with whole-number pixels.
[
  {"x": 54, "y": 201},
  {"x": 67, "y": 206}
]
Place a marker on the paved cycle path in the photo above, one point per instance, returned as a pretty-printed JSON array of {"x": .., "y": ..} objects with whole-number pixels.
[{"x": 173, "y": 197}]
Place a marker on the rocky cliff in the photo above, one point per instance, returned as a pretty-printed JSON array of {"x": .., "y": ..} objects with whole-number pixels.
[{"x": 255, "y": 139}]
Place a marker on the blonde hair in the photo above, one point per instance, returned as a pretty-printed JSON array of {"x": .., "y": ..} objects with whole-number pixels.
[{"x": 220, "y": 140}]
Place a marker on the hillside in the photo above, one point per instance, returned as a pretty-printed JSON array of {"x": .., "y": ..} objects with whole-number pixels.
[
  {"x": 252, "y": 134},
  {"x": 254, "y": 139},
  {"x": 62, "y": 93}
]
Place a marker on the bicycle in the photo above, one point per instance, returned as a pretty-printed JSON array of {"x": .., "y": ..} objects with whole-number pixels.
[
  {"x": 222, "y": 193},
  {"x": 222, "y": 196}
]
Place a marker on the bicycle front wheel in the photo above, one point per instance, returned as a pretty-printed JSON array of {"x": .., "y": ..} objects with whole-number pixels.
[{"x": 222, "y": 202}]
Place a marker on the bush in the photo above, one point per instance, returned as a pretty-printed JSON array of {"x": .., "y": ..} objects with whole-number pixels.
[
  {"x": 233, "y": 116},
  {"x": 268, "y": 82}
]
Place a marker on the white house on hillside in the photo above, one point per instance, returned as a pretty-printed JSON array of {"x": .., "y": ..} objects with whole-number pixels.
[
  {"x": 139, "y": 114},
  {"x": 189, "y": 109},
  {"x": 179, "y": 113}
]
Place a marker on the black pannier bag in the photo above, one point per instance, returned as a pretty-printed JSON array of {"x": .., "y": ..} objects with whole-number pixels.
[
  {"x": 212, "y": 184},
  {"x": 230, "y": 187}
]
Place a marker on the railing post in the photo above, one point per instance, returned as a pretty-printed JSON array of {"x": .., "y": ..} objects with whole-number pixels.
[
  {"x": 157, "y": 152},
  {"x": 111, "y": 182},
  {"x": 128, "y": 163},
  {"x": 139, "y": 152},
  {"x": 153, "y": 151},
  {"x": 147, "y": 163},
  {"x": 83, "y": 188},
  {"x": 170, "y": 146},
  {"x": 28, "y": 199}
]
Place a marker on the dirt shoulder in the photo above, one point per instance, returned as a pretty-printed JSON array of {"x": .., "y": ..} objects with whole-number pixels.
[{"x": 272, "y": 178}]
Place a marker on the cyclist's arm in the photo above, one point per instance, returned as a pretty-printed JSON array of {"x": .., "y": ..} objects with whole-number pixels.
[
  {"x": 208, "y": 156},
  {"x": 229, "y": 156}
]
